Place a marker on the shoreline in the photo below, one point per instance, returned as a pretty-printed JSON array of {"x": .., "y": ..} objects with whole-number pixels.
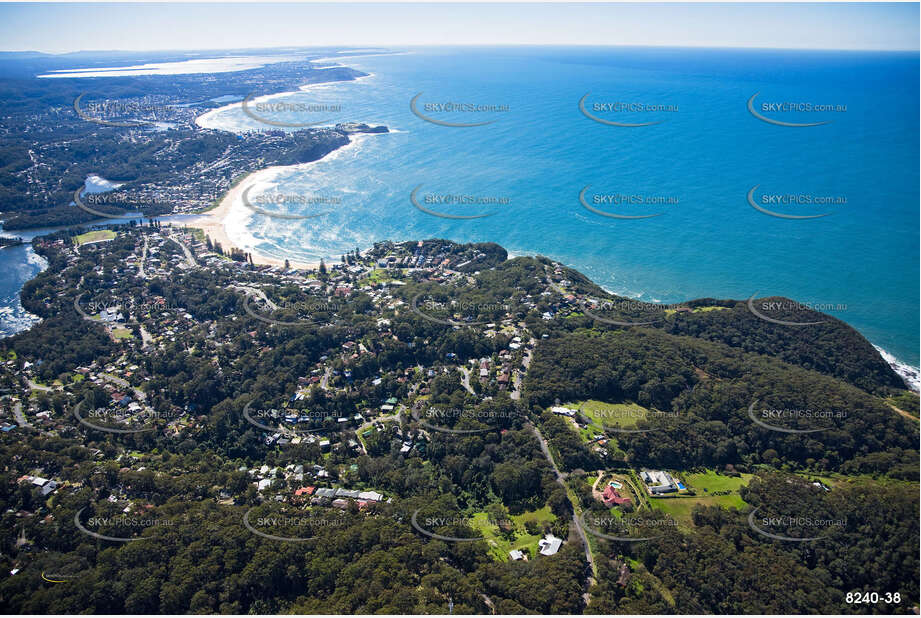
[
  {"x": 200, "y": 119},
  {"x": 213, "y": 222}
]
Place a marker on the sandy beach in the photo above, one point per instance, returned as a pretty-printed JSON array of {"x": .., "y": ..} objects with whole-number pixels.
[{"x": 212, "y": 223}]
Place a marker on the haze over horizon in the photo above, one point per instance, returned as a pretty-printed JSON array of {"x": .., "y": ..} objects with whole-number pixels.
[{"x": 64, "y": 28}]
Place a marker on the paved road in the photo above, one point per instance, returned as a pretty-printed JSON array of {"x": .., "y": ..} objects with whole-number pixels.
[
  {"x": 517, "y": 379},
  {"x": 465, "y": 380},
  {"x": 124, "y": 384},
  {"x": 146, "y": 337},
  {"x": 577, "y": 523},
  {"x": 379, "y": 419},
  {"x": 38, "y": 387},
  {"x": 141, "y": 272},
  {"x": 188, "y": 253},
  {"x": 19, "y": 416}
]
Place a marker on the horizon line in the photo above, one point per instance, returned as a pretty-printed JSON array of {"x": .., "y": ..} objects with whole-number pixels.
[{"x": 436, "y": 45}]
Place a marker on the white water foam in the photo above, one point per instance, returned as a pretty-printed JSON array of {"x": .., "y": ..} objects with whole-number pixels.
[{"x": 909, "y": 374}]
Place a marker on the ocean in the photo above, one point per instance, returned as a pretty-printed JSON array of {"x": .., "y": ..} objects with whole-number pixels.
[
  {"x": 547, "y": 172},
  {"x": 19, "y": 264},
  {"x": 695, "y": 168}
]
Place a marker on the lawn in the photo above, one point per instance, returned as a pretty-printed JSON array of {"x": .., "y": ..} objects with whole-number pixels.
[
  {"x": 499, "y": 546},
  {"x": 122, "y": 333},
  {"x": 94, "y": 236},
  {"x": 704, "y": 484},
  {"x": 378, "y": 275},
  {"x": 710, "y": 481},
  {"x": 611, "y": 414},
  {"x": 680, "y": 508},
  {"x": 670, "y": 312}
]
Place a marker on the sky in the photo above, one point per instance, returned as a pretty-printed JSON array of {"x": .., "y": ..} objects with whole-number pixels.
[{"x": 58, "y": 28}]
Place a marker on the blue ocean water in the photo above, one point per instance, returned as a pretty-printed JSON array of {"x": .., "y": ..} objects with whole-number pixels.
[
  {"x": 18, "y": 265},
  {"x": 860, "y": 263}
]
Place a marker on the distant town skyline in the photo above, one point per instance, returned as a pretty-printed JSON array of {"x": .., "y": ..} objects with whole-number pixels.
[{"x": 61, "y": 28}]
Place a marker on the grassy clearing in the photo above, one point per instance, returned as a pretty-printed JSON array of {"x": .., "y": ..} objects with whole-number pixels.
[
  {"x": 500, "y": 545},
  {"x": 94, "y": 236},
  {"x": 611, "y": 414},
  {"x": 705, "y": 484},
  {"x": 671, "y": 312},
  {"x": 710, "y": 481},
  {"x": 122, "y": 333},
  {"x": 378, "y": 275},
  {"x": 681, "y": 508}
]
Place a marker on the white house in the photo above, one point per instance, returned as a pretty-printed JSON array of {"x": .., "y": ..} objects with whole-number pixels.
[{"x": 549, "y": 545}]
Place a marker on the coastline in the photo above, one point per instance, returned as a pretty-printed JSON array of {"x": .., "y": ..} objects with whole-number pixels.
[
  {"x": 202, "y": 119},
  {"x": 212, "y": 222}
]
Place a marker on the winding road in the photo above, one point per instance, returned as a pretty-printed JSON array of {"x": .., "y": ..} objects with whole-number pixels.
[
  {"x": 38, "y": 387},
  {"x": 124, "y": 384},
  {"x": 576, "y": 520}
]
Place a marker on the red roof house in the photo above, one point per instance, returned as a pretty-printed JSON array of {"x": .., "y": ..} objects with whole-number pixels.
[{"x": 613, "y": 498}]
